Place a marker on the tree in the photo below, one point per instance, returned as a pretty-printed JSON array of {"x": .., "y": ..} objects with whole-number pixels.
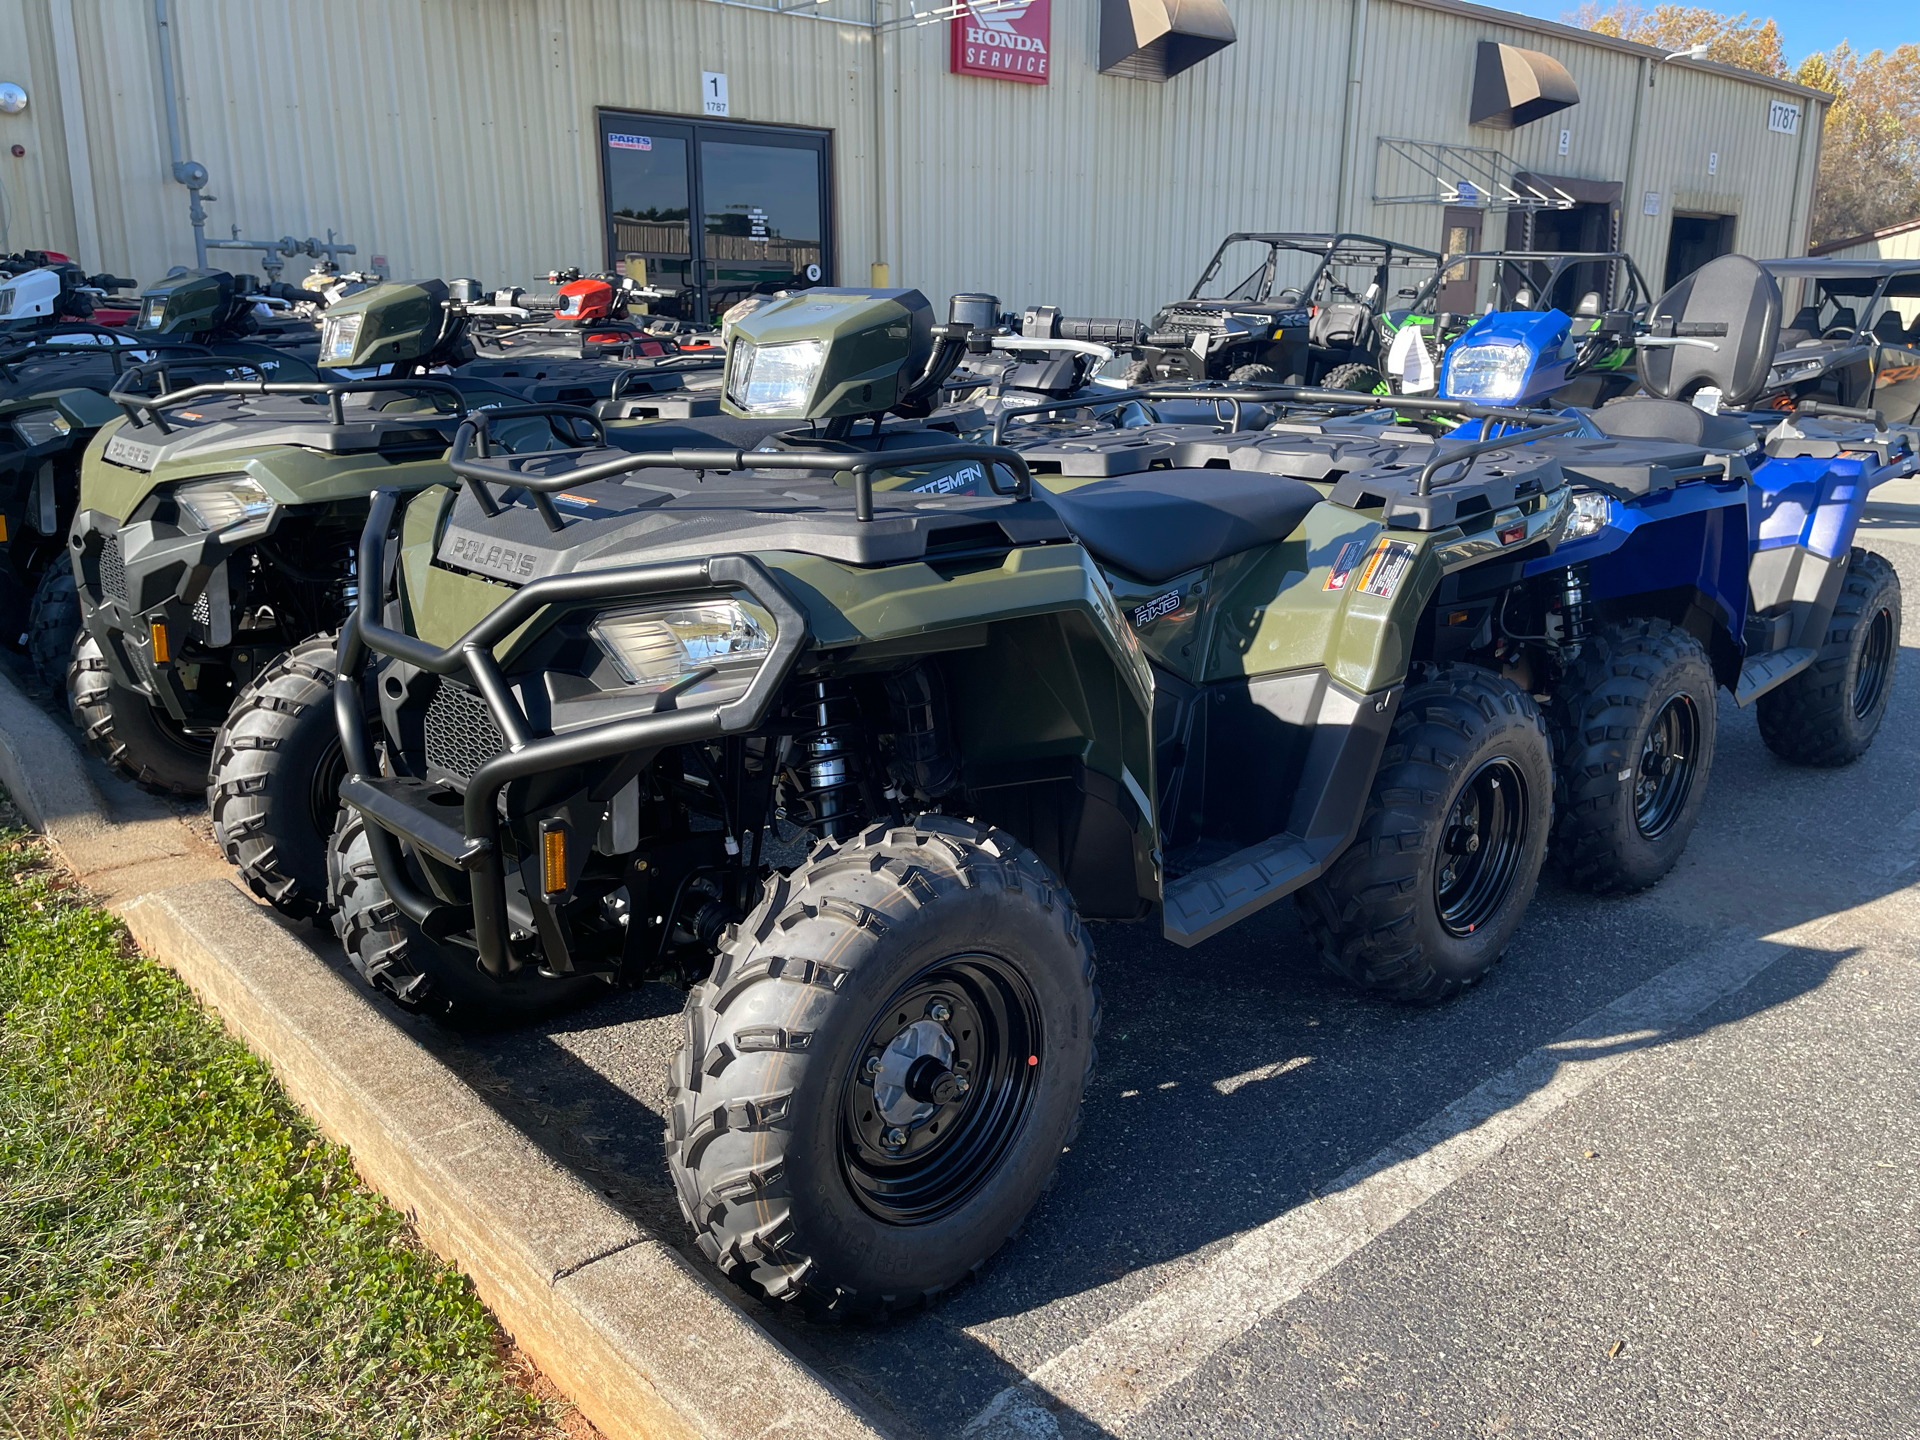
[
  {"x": 1735, "y": 39},
  {"x": 1870, "y": 150}
]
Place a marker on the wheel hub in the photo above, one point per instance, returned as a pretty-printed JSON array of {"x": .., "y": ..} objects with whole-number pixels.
[
  {"x": 1481, "y": 843},
  {"x": 912, "y": 1067},
  {"x": 940, "y": 1088},
  {"x": 1664, "y": 776}
]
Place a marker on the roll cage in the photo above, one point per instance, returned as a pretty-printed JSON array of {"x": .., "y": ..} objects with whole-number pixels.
[{"x": 1331, "y": 251}]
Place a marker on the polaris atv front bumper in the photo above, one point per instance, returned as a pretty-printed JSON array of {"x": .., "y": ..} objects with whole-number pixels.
[
  {"x": 399, "y": 808},
  {"x": 157, "y": 600}
]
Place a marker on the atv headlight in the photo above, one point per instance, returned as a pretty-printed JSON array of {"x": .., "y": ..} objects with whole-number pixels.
[
  {"x": 1795, "y": 370},
  {"x": 224, "y": 503},
  {"x": 153, "y": 313},
  {"x": 659, "y": 646},
  {"x": 765, "y": 378},
  {"x": 340, "y": 337},
  {"x": 1488, "y": 372},
  {"x": 1592, "y": 513},
  {"x": 37, "y": 427}
]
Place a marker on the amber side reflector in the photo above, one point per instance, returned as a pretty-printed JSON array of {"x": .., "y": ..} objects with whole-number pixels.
[
  {"x": 161, "y": 654},
  {"x": 553, "y": 856},
  {"x": 3, "y": 528}
]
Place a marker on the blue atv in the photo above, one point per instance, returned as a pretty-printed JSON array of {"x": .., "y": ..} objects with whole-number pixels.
[{"x": 1820, "y": 633}]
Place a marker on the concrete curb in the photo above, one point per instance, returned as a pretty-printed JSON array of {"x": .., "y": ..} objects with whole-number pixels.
[{"x": 628, "y": 1329}]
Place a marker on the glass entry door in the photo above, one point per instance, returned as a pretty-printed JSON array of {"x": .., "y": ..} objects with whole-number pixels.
[{"x": 717, "y": 211}]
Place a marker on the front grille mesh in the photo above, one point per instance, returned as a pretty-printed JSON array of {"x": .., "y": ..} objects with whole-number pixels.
[
  {"x": 461, "y": 735},
  {"x": 1181, "y": 318},
  {"x": 113, "y": 570}
]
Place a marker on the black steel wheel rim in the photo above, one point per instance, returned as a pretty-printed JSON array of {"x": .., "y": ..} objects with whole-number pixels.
[
  {"x": 965, "y": 1036},
  {"x": 323, "y": 787},
  {"x": 1481, "y": 843},
  {"x": 1870, "y": 682},
  {"x": 1669, "y": 757}
]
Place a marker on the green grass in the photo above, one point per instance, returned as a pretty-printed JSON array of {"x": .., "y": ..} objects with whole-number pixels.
[{"x": 180, "y": 1252}]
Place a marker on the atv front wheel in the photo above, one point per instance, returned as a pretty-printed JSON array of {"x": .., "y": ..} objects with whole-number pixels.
[
  {"x": 1633, "y": 731},
  {"x": 875, "y": 1085},
  {"x": 1362, "y": 378},
  {"x": 274, "y": 790},
  {"x": 1424, "y": 901},
  {"x": 128, "y": 731},
  {"x": 1829, "y": 713},
  {"x": 1253, "y": 375},
  {"x": 438, "y": 978},
  {"x": 53, "y": 620}
]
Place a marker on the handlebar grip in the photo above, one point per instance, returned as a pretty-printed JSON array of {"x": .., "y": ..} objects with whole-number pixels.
[
  {"x": 1814, "y": 409},
  {"x": 1100, "y": 332}
]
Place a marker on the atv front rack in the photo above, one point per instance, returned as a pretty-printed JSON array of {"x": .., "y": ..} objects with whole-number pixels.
[
  {"x": 396, "y": 809},
  {"x": 473, "y": 461},
  {"x": 1307, "y": 396},
  {"x": 334, "y": 391}
]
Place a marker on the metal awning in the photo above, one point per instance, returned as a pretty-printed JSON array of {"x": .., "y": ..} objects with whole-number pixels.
[
  {"x": 1157, "y": 39},
  {"x": 1514, "y": 87},
  {"x": 1432, "y": 172}
]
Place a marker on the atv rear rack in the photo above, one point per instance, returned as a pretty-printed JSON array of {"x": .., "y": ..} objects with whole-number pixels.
[
  {"x": 333, "y": 390},
  {"x": 399, "y": 808},
  {"x": 483, "y": 469}
]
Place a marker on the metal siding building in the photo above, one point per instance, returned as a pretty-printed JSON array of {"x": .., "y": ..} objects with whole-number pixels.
[{"x": 468, "y": 137}]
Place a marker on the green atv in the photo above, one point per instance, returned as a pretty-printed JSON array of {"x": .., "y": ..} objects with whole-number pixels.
[
  {"x": 855, "y": 730},
  {"x": 217, "y": 522},
  {"x": 55, "y": 378}
]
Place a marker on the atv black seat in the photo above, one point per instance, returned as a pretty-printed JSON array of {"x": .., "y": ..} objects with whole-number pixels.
[
  {"x": 1166, "y": 522},
  {"x": 1643, "y": 417},
  {"x": 1845, "y": 318},
  {"x": 1890, "y": 328},
  {"x": 1717, "y": 328}
]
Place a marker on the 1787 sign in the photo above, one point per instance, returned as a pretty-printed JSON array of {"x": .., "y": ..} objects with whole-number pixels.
[{"x": 1002, "y": 40}]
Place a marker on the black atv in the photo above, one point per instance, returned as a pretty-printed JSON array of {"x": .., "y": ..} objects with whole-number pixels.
[{"x": 1296, "y": 307}]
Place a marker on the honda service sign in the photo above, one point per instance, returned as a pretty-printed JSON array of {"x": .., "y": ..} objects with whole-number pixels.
[{"x": 1002, "y": 40}]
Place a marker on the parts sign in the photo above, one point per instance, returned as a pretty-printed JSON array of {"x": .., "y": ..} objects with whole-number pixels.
[{"x": 1002, "y": 40}]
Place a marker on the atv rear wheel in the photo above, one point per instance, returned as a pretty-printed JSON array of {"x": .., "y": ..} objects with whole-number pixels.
[
  {"x": 53, "y": 621},
  {"x": 1633, "y": 732},
  {"x": 128, "y": 731},
  {"x": 1362, "y": 378},
  {"x": 441, "y": 979},
  {"x": 1253, "y": 375},
  {"x": 1424, "y": 901},
  {"x": 1829, "y": 713},
  {"x": 875, "y": 1085},
  {"x": 274, "y": 790}
]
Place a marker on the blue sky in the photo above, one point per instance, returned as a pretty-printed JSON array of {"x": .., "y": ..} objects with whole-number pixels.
[{"x": 1805, "y": 25}]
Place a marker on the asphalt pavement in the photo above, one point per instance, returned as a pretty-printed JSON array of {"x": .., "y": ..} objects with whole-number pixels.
[{"x": 1658, "y": 1175}]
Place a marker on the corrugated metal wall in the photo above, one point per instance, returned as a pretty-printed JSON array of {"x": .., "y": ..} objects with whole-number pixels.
[{"x": 457, "y": 136}]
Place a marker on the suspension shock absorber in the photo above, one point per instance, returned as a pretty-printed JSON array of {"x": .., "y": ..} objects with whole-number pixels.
[
  {"x": 1576, "y": 609},
  {"x": 828, "y": 741}
]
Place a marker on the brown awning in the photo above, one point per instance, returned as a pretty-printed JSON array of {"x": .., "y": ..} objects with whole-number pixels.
[
  {"x": 1157, "y": 39},
  {"x": 1514, "y": 87}
]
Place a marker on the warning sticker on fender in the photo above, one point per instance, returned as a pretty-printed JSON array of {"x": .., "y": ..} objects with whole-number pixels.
[
  {"x": 1350, "y": 554},
  {"x": 1386, "y": 568}
]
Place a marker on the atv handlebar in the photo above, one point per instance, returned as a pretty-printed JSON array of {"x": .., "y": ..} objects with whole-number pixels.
[
  {"x": 475, "y": 848},
  {"x": 153, "y": 405},
  {"x": 1817, "y": 409},
  {"x": 484, "y": 469}
]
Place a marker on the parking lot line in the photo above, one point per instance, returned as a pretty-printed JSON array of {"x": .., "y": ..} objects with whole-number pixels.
[{"x": 1123, "y": 1367}]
